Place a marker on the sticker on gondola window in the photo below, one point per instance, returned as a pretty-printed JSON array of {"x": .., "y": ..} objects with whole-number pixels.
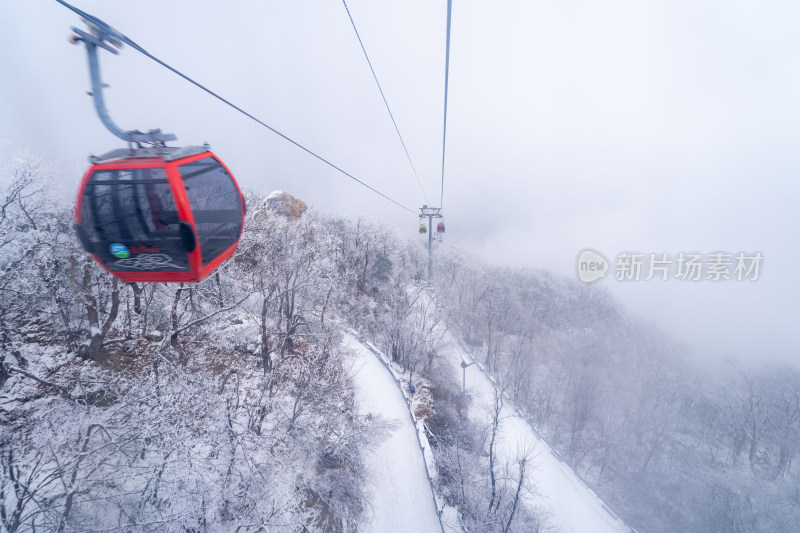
[{"x": 119, "y": 250}]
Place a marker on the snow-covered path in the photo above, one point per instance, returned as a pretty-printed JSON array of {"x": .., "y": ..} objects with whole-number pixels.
[
  {"x": 573, "y": 507},
  {"x": 401, "y": 494}
]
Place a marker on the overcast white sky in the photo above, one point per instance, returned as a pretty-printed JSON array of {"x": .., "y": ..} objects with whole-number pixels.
[{"x": 666, "y": 126}]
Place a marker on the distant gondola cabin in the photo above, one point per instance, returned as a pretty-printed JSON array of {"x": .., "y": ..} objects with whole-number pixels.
[
  {"x": 423, "y": 229},
  {"x": 440, "y": 227},
  {"x": 151, "y": 217}
]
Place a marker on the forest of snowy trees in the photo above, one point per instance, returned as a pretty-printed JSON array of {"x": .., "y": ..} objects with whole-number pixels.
[
  {"x": 672, "y": 448},
  {"x": 158, "y": 407},
  {"x": 227, "y": 405}
]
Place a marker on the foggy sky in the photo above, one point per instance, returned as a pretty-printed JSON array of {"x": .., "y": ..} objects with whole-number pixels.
[{"x": 669, "y": 126}]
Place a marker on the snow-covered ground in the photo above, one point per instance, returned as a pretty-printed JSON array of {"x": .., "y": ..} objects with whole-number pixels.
[
  {"x": 573, "y": 507},
  {"x": 401, "y": 493}
]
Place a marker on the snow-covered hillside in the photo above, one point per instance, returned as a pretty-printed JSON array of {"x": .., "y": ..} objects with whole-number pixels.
[{"x": 230, "y": 403}]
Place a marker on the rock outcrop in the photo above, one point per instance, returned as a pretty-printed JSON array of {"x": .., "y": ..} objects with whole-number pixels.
[{"x": 285, "y": 205}]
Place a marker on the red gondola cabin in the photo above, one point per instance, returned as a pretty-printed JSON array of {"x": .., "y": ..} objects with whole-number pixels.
[
  {"x": 149, "y": 217},
  {"x": 440, "y": 227}
]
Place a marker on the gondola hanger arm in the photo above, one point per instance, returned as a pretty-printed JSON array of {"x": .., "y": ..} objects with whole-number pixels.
[{"x": 104, "y": 36}]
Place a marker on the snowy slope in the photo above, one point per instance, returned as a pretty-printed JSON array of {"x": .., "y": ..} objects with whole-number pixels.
[
  {"x": 573, "y": 507},
  {"x": 401, "y": 493}
]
